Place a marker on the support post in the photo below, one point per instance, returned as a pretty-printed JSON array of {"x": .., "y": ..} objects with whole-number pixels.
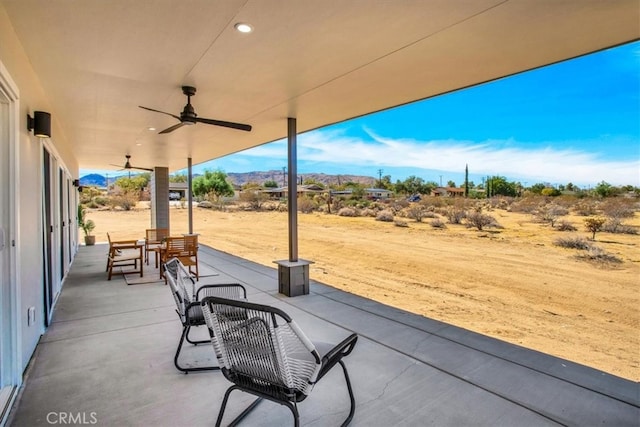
[
  {"x": 189, "y": 195},
  {"x": 293, "y": 188},
  {"x": 293, "y": 274},
  {"x": 160, "y": 198}
]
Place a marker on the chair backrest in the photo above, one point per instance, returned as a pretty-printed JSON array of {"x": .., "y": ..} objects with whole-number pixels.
[
  {"x": 191, "y": 244},
  {"x": 178, "y": 279},
  {"x": 183, "y": 287},
  {"x": 155, "y": 235},
  {"x": 261, "y": 347},
  {"x": 175, "y": 246}
]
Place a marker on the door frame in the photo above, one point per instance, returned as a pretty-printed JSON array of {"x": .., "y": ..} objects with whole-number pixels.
[{"x": 11, "y": 344}]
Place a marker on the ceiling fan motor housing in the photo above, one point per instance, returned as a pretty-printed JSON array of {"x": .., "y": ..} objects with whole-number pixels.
[{"x": 188, "y": 115}]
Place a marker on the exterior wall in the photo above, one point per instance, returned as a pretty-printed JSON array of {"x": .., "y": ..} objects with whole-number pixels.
[{"x": 28, "y": 177}]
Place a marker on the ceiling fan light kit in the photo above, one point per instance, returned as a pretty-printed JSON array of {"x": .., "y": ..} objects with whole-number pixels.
[{"x": 189, "y": 117}]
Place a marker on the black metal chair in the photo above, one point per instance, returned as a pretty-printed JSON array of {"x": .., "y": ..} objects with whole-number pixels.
[
  {"x": 262, "y": 351},
  {"x": 188, "y": 304}
]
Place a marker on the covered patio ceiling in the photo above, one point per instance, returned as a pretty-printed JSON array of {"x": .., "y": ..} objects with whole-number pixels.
[{"x": 321, "y": 62}]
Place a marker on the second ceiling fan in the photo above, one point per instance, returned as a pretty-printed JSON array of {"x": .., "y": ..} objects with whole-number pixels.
[
  {"x": 188, "y": 115},
  {"x": 127, "y": 165}
]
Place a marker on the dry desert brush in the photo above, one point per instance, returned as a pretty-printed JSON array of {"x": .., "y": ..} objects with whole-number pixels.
[{"x": 480, "y": 220}]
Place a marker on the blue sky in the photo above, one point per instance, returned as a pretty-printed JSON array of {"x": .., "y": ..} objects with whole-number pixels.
[{"x": 577, "y": 121}]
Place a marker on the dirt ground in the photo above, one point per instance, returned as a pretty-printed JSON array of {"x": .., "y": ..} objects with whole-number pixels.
[{"x": 511, "y": 283}]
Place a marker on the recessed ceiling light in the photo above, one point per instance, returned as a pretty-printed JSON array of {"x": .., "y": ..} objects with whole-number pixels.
[
  {"x": 139, "y": 144},
  {"x": 152, "y": 128},
  {"x": 243, "y": 28}
]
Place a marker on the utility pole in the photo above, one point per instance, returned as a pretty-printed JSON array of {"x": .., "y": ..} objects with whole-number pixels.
[
  {"x": 380, "y": 177},
  {"x": 284, "y": 176}
]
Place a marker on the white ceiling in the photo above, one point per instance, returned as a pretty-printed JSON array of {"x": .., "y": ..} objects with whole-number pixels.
[{"x": 321, "y": 61}]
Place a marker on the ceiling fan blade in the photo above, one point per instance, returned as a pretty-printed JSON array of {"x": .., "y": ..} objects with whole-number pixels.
[
  {"x": 142, "y": 169},
  {"x": 232, "y": 125},
  {"x": 172, "y": 128},
  {"x": 158, "y": 111}
]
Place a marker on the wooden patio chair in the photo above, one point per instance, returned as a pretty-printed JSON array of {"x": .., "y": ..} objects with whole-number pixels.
[
  {"x": 124, "y": 253},
  {"x": 153, "y": 241},
  {"x": 188, "y": 304},
  {"x": 185, "y": 248},
  {"x": 262, "y": 351}
]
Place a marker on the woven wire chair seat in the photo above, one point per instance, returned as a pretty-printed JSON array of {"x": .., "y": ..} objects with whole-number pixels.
[
  {"x": 262, "y": 351},
  {"x": 188, "y": 306}
]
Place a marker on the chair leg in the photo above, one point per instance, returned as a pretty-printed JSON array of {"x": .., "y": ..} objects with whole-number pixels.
[
  {"x": 294, "y": 410},
  {"x": 110, "y": 268},
  {"x": 243, "y": 414},
  {"x": 351, "y": 398},
  {"x": 196, "y": 342},
  {"x": 185, "y": 332}
]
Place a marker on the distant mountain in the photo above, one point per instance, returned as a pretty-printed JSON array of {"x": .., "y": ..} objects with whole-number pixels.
[
  {"x": 281, "y": 177},
  {"x": 241, "y": 178},
  {"x": 93, "y": 179}
]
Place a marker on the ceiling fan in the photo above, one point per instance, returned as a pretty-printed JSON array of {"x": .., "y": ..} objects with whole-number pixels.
[
  {"x": 128, "y": 166},
  {"x": 188, "y": 116}
]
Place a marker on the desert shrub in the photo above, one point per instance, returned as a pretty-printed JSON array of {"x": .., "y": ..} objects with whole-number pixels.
[
  {"x": 594, "y": 224},
  {"x": 416, "y": 211},
  {"x": 347, "y": 212},
  {"x": 438, "y": 223},
  {"x": 585, "y": 207},
  {"x": 400, "y": 223},
  {"x": 368, "y": 212},
  {"x": 306, "y": 205},
  {"x": 385, "y": 216},
  {"x": 550, "y": 213},
  {"x": 436, "y": 202},
  {"x": 528, "y": 205},
  {"x": 495, "y": 203},
  {"x": 455, "y": 215},
  {"x": 254, "y": 199},
  {"x": 126, "y": 200},
  {"x": 429, "y": 214},
  {"x": 564, "y": 225},
  {"x": 282, "y": 207},
  {"x": 616, "y": 226},
  {"x": 599, "y": 255},
  {"x": 479, "y": 220},
  {"x": 573, "y": 243},
  {"x": 337, "y": 203},
  {"x": 618, "y": 208},
  {"x": 205, "y": 204},
  {"x": 100, "y": 201},
  {"x": 270, "y": 206},
  {"x": 400, "y": 204}
]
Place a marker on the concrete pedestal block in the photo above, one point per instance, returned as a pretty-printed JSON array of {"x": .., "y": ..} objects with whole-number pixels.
[{"x": 293, "y": 277}]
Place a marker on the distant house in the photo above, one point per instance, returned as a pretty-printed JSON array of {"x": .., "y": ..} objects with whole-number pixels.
[
  {"x": 177, "y": 190},
  {"x": 378, "y": 193},
  {"x": 343, "y": 193},
  {"x": 447, "y": 192},
  {"x": 281, "y": 192}
]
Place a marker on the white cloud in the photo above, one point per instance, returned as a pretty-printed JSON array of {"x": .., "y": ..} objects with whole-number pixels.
[{"x": 505, "y": 158}]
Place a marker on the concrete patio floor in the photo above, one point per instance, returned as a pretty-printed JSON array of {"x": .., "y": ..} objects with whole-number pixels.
[{"x": 107, "y": 359}]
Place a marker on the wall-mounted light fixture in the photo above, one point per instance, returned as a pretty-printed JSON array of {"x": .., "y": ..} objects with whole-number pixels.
[
  {"x": 40, "y": 123},
  {"x": 76, "y": 183}
]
